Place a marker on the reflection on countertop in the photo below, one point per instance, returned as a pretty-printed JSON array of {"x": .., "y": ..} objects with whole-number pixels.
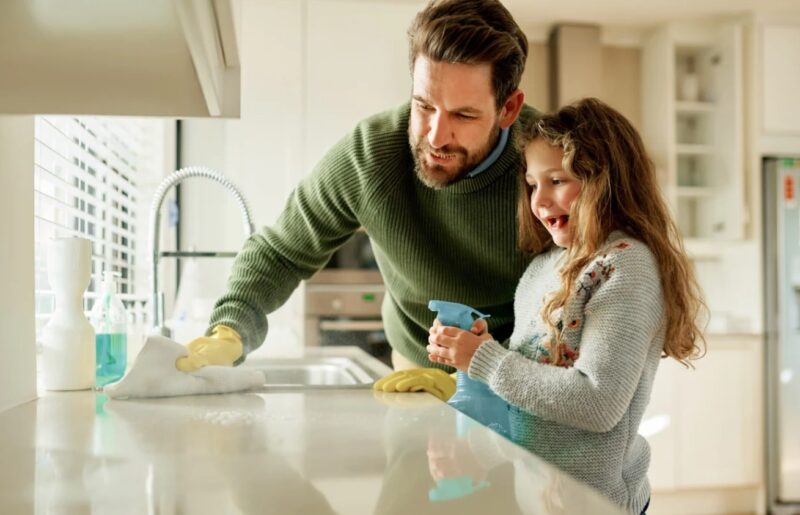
[{"x": 314, "y": 451}]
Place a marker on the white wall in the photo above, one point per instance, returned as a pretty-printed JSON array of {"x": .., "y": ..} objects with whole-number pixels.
[
  {"x": 351, "y": 74},
  {"x": 18, "y": 336},
  {"x": 732, "y": 286}
]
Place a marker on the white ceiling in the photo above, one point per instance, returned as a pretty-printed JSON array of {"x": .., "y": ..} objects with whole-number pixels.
[
  {"x": 636, "y": 13},
  {"x": 633, "y": 16}
]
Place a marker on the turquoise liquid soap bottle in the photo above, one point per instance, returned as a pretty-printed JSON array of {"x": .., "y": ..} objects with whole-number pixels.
[
  {"x": 109, "y": 319},
  {"x": 472, "y": 398}
]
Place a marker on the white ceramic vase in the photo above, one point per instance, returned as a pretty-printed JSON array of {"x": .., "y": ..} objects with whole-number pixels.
[{"x": 68, "y": 339}]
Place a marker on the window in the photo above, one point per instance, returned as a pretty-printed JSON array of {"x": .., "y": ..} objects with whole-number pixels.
[{"x": 94, "y": 178}]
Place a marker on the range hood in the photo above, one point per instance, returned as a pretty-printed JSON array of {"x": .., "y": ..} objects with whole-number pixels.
[{"x": 125, "y": 57}]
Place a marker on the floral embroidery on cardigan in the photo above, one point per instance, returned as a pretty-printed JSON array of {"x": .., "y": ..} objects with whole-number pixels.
[
  {"x": 538, "y": 347},
  {"x": 600, "y": 271},
  {"x": 569, "y": 355}
]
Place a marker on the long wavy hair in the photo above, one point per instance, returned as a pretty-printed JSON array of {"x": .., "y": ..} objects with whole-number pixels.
[{"x": 619, "y": 191}]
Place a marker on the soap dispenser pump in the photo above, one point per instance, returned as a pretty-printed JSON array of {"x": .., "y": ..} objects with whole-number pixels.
[{"x": 109, "y": 320}]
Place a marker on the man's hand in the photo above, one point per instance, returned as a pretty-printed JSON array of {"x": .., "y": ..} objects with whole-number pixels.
[
  {"x": 222, "y": 347},
  {"x": 432, "y": 380},
  {"x": 453, "y": 346}
]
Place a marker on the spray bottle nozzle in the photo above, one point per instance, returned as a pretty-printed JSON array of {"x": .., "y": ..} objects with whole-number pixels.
[{"x": 455, "y": 314}]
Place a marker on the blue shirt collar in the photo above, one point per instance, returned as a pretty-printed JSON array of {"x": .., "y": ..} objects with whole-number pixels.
[{"x": 493, "y": 155}]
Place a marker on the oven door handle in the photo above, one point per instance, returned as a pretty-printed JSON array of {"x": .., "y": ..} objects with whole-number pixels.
[{"x": 351, "y": 325}]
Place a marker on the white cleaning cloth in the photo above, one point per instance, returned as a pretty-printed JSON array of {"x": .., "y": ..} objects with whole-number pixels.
[{"x": 154, "y": 375}]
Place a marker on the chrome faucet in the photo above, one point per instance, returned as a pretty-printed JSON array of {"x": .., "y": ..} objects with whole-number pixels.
[{"x": 157, "y": 297}]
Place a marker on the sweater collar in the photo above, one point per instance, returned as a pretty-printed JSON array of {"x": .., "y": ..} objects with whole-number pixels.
[{"x": 493, "y": 155}]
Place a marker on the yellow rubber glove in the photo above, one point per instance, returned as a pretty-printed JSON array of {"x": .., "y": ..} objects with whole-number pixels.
[
  {"x": 432, "y": 380},
  {"x": 222, "y": 347}
]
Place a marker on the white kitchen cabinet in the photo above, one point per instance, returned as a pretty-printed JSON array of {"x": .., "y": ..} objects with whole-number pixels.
[
  {"x": 719, "y": 418},
  {"x": 703, "y": 424},
  {"x": 780, "y": 68},
  {"x": 126, "y": 57},
  {"x": 772, "y": 74},
  {"x": 692, "y": 124}
]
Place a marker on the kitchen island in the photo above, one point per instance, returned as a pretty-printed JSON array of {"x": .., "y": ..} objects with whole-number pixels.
[{"x": 305, "y": 451}]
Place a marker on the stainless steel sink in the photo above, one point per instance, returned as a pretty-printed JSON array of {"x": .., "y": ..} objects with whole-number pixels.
[{"x": 315, "y": 372}]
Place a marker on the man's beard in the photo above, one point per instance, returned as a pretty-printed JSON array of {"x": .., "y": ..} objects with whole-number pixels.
[{"x": 437, "y": 176}]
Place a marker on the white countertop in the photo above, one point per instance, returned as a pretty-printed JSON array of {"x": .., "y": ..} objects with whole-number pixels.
[{"x": 304, "y": 451}]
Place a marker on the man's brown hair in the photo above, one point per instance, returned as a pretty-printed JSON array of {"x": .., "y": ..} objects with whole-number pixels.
[{"x": 472, "y": 32}]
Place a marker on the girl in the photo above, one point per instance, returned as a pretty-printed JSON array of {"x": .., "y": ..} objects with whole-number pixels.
[{"x": 611, "y": 292}]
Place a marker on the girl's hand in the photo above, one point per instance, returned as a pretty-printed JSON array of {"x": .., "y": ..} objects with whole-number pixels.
[
  {"x": 479, "y": 327},
  {"x": 453, "y": 346}
]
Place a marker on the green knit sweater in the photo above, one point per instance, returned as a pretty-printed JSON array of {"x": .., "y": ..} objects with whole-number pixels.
[{"x": 457, "y": 243}]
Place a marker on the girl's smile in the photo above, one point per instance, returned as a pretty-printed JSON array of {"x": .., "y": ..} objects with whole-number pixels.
[{"x": 557, "y": 222}]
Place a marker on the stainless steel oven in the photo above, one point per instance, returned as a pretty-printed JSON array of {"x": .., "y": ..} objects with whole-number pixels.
[{"x": 343, "y": 301}]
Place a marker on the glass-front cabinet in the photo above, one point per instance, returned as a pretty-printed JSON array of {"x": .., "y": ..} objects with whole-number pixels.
[{"x": 693, "y": 126}]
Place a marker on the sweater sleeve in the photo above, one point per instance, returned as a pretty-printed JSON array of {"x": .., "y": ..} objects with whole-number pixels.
[
  {"x": 622, "y": 319},
  {"x": 319, "y": 217}
]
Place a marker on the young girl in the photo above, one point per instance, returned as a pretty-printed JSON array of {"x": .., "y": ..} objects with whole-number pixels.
[{"x": 594, "y": 314}]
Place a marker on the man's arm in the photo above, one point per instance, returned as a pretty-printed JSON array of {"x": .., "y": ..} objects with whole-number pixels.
[{"x": 319, "y": 217}]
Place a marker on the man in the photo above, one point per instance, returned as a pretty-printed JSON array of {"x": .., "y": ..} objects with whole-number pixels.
[{"x": 434, "y": 184}]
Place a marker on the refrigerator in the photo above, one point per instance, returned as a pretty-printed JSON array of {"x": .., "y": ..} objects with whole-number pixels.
[{"x": 781, "y": 204}]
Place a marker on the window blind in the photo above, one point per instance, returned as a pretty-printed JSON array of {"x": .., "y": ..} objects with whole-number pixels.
[{"x": 88, "y": 179}]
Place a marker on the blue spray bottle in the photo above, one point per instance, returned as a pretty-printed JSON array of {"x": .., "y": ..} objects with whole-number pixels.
[{"x": 472, "y": 398}]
